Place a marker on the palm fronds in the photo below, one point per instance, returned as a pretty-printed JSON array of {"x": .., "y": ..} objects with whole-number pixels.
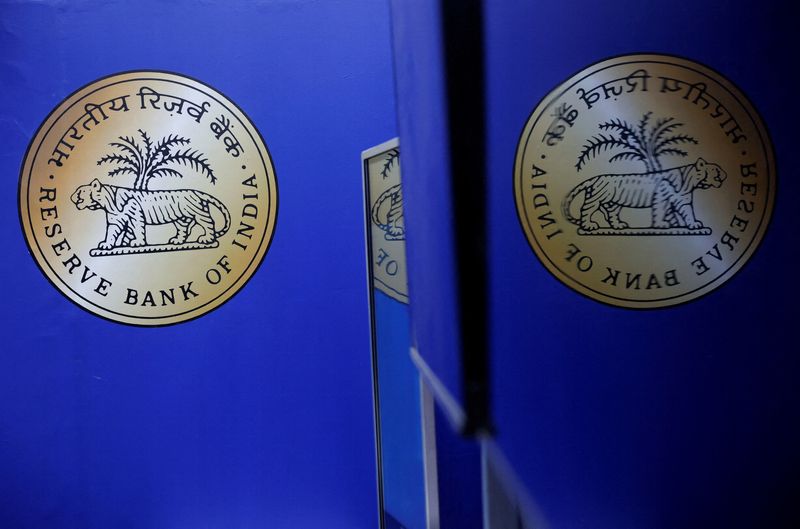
[
  {"x": 150, "y": 159},
  {"x": 166, "y": 171},
  {"x": 391, "y": 157},
  {"x": 193, "y": 159},
  {"x": 601, "y": 142},
  {"x": 642, "y": 142}
]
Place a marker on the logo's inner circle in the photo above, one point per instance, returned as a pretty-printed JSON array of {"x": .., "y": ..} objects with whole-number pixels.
[
  {"x": 644, "y": 181},
  {"x": 148, "y": 198}
]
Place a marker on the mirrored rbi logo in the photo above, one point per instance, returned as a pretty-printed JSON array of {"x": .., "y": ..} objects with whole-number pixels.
[
  {"x": 148, "y": 198},
  {"x": 644, "y": 181},
  {"x": 387, "y": 231}
]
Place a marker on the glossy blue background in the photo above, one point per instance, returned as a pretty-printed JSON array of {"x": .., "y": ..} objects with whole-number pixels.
[
  {"x": 683, "y": 417},
  {"x": 400, "y": 415},
  {"x": 458, "y": 466},
  {"x": 422, "y": 123},
  {"x": 612, "y": 418},
  {"x": 259, "y": 413}
]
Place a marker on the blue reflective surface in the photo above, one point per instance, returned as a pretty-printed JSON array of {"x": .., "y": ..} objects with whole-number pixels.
[
  {"x": 684, "y": 417},
  {"x": 429, "y": 217},
  {"x": 400, "y": 419},
  {"x": 458, "y": 464}
]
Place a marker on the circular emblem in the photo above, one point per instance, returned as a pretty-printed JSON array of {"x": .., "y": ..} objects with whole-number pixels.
[
  {"x": 387, "y": 226},
  {"x": 644, "y": 181},
  {"x": 148, "y": 198}
]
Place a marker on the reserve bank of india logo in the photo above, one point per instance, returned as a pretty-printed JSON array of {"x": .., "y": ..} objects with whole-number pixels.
[
  {"x": 387, "y": 232},
  {"x": 148, "y": 198},
  {"x": 644, "y": 181}
]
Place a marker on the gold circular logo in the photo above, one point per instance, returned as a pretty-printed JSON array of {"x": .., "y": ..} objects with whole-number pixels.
[
  {"x": 644, "y": 181},
  {"x": 148, "y": 198},
  {"x": 387, "y": 226}
]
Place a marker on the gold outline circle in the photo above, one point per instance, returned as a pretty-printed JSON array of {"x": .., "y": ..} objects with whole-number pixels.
[
  {"x": 767, "y": 149},
  {"x": 265, "y": 156}
]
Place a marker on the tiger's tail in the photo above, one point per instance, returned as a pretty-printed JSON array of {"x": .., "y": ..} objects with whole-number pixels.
[
  {"x": 565, "y": 205},
  {"x": 374, "y": 213},
  {"x": 225, "y": 213}
]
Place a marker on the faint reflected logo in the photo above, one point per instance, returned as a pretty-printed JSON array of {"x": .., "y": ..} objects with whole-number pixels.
[{"x": 644, "y": 181}]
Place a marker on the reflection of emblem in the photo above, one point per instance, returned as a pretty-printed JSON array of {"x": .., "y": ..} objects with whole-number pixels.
[
  {"x": 666, "y": 193},
  {"x": 618, "y": 154},
  {"x": 172, "y": 165},
  {"x": 387, "y": 214},
  {"x": 387, "y": 232}
]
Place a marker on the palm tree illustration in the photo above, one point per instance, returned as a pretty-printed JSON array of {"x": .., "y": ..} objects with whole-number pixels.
[
  {"x": 643, "y": 143},
  {"x": 391, "y": 157},
  {"x": 147, "y": 160}
]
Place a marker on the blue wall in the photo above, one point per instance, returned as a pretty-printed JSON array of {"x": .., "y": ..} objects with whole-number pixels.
[
  {"x": 682, "y": 417},
  {"x": 458, "y": 467},
  {"x": 400, "y": 416},
  {"x": 259, "y": 413},
  {"x": 422, "y": 123}
]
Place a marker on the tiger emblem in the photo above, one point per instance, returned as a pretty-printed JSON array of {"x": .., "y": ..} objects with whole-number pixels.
[
  {"x": 129, "y": 211},
  {"x": 669, "y": 194},
  {"x": 387, "y": 214}
]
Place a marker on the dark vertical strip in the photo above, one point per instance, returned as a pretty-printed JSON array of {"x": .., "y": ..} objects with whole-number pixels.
[
  {"x": 462, "y": 30},
  {"x": 376, "y": 401}
]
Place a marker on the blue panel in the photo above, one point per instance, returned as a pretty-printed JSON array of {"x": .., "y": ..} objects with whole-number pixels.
[
  {"x": 458, "y": 466},
  {"x": 257, "y": 414},
  {"x": 683, "y": 417},
  {"x": 426, "y": 187},
  {"x": 400, "y": 420}
]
